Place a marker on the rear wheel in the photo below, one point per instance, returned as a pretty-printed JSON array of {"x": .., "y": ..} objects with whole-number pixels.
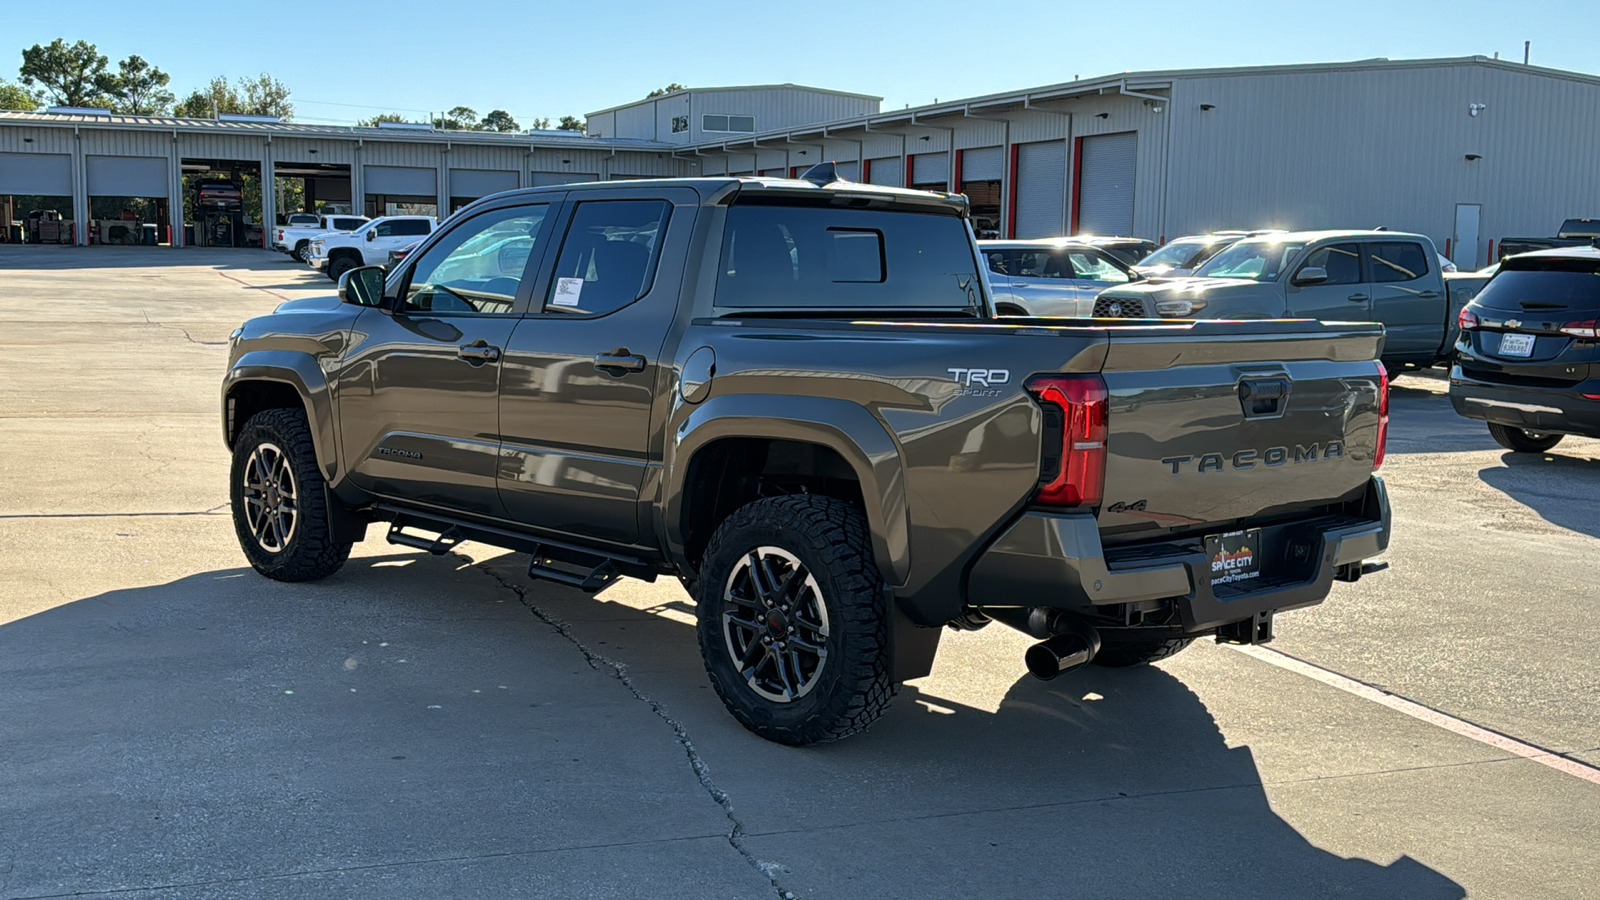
[
  {"x": 280, "y": 510},
  {"x": 1521, "y": 440},
  {"x": 793, "y": 621},
  {"x": 1121, "y": 654}
]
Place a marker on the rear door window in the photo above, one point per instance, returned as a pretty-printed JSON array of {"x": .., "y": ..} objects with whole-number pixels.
[
  {"x": 1029, "y": 264},
  {"x": 410, "y": 227},
  {"x": 779, "y": 255},
  {"x": 609, "y": 256},
  {"x": 1392, "y": 261}
]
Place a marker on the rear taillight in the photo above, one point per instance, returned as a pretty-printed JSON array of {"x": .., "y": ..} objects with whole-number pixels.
[
  {"x": 1588, "y": 328},
  {"x": 1467, "y": 320},
  {"x": 1383, "y": 416},
  {"x": 1073, "y": 469}
]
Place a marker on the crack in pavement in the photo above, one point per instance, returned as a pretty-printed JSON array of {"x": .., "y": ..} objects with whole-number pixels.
[
  {"x": 186, "y": 334},
  {"x": 736, "y": 834}
]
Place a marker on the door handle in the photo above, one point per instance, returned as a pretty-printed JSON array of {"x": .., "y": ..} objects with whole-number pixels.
[
  {"x": 1357, "y": 298},
  {"x": 478, "y": 352},
  {"x": 1429, "y": 295},
  {"x": 618, "y": 362}
]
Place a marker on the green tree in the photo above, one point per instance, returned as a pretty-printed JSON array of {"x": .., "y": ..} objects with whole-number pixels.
[
  {"x": 266, "y": 96},
  {"x": 259, "y": 96},
  {"x": 499, "y": 120},
  {"x": 17, "y": 97},
  {"x": 572, "y": 123},
  {"x": 667, "y": 90},
  {"x": 381, "y": 117},
  {"x": 70, "y": 75},
  {"x": 540, "y": 124},
  {"x": 216, "y": 97},
  {"x": 141, "y": 88},
  {"x": 461, "y": 118}
]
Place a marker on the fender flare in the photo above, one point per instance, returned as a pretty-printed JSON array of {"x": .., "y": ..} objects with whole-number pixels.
[
  {"x": 301, "y": 372},
  {"x": 844, "y": 427}
]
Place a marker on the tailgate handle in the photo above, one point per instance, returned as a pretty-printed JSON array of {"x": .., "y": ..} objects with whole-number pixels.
[{"x": 1263, "y": 396}]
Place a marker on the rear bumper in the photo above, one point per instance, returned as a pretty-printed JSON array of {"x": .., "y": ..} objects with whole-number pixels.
[
  {"x": 1055, "y": 561},
  {"x": 1555, "y": 410}
]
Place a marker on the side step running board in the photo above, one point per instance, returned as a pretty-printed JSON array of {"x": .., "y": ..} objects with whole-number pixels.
[{"x": 573, "y": 565}]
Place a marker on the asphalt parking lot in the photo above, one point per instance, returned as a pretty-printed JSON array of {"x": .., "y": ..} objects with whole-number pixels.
[{"x": 175, "y": 726}]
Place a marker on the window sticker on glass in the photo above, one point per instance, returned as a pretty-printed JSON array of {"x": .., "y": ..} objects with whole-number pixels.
[{"x": 568, "y": 290}]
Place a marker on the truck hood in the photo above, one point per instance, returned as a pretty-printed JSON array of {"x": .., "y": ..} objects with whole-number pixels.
[
  {"x": 328, "y": 303},
  {"x": 1225, "y": 293}
]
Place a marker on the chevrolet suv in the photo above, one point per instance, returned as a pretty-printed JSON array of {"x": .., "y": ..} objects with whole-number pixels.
[{"x": 1528, "y": 356}]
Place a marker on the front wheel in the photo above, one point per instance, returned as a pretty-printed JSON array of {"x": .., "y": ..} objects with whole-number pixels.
[
  {"x": 302, "y": 251},
  {"x": 1521, "y": 440},
  {"x": 793, "y": 620},
  {"x": 340, "y": 265},
  {"x": 280, "y": 509}
]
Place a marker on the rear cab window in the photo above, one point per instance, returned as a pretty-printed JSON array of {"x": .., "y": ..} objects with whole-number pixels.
[
  {"x": 782, "y": 254},
  {"x": 1391, "y": 261}
]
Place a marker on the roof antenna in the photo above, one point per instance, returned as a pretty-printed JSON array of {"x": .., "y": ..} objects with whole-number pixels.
[{"x": 821, "y": 174}]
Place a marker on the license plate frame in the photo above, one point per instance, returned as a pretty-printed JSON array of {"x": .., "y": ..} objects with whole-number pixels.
[
  {"x": 1234, "y": 556},
  {"x": 1517, "y": 346}
]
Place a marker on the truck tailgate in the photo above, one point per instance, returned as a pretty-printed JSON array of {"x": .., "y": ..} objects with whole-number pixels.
[{"x": 1217, "y": 424}]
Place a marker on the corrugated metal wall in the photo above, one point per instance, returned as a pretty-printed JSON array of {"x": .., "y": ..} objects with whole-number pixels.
[{"x": 1358, "y": 149}]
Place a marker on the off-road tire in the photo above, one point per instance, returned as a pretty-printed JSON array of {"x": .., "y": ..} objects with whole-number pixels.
[
  {"x": 339, "y": 265},
  {"x": 852, "y": 687},
  {"x": 1521, "y": 441},
  {"x": 311, "y": 552},
  {"x": 1121, "y": 654},
  {"x": 302, "y": 252}
]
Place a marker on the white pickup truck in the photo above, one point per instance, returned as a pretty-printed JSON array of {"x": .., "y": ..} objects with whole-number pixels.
[
  {"x": 338, "y": 252},
  {"x": 295, "y": 238}
]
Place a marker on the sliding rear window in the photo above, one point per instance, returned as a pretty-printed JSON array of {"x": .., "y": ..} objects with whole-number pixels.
[
  {"x": 1556, "y": 284},
  {"x": 828, "y": 257}
]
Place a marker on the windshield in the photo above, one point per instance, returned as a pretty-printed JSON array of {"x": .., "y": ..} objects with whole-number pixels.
[
  {"x": 1176, "y": 255},
  {"x": 1256, "y": 260}
]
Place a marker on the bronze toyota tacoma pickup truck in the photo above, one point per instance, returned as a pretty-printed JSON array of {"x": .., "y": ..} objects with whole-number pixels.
[{"x": 793, "y": 396}]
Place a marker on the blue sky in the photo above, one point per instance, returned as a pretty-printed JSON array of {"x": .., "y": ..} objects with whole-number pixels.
[{"x": 548, "y": 59}]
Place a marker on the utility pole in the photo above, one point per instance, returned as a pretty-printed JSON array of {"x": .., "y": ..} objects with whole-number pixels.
[{"x": 1526, "y": 46}]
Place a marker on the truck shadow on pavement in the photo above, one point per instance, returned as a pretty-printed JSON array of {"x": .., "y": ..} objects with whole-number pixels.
[
  {"x": 1560, "y": 488},
  {"x": 408, "y": 711}
]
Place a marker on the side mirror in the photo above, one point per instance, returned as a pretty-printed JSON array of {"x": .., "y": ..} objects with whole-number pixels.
[
  {"x": 372, "y": 235},
  {"x": 362, "y": 286},
  {"x": 1311, "y": 275}
]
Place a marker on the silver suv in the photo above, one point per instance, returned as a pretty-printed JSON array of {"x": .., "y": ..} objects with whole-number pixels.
[{"x": 1053, "y": 277}]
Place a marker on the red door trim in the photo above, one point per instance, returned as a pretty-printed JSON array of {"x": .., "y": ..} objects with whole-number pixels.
[
  {"x": 1011, "y": 195},
  {"x": 1077, "y": 183}
]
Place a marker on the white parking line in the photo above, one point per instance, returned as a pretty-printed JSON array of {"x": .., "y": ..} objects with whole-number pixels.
[{"x": 1431, "y": 716}]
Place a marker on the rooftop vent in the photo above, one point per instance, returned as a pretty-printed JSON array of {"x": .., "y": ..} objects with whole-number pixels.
[
  {"x": 405, "y": 126},
  {"x": 78, "y": 111},
  {"x": 244, "y": 117}
]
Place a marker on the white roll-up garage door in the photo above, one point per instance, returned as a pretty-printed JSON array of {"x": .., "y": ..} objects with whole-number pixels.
[
  {"x": 1041, "y": 189},
  {"x": 545, "y": 179},
  {"x": 47, "y": 174},
  {"x": 889, "y": 170},
  {"x": 982, "y": 164},
  {"x": 126, "y": 176},
  {"x": 846, "y": 171},
  {"x": 1105, "y": 191},
  {"x": 480, "y": 182},
  {"x": 401, "y": 180},
  {"x": 930, "y": 168}
]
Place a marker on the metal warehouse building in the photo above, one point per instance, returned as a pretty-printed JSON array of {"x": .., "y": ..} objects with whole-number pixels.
[{"x": 1466, "y": 150}]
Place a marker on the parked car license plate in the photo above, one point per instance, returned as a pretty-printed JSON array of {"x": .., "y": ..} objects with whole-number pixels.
[
  {"x": 1516, "y": 345},
  {"x": 1235, "y": 556}
]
